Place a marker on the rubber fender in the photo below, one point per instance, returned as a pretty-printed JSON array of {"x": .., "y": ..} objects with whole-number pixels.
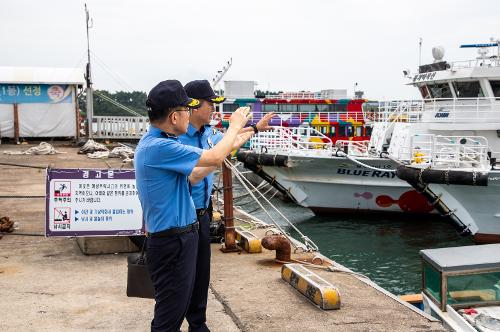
[
  {"x": 417, "y": 175},
  {"x": 262, "y": 159}
]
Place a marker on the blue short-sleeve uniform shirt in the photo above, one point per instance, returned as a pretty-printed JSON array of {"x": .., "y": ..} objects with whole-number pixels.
[
  {"x": 205, "y": 138},
  {"x": 162, "y": 166}
]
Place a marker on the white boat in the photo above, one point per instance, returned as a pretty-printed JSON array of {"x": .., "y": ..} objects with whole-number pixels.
[
  {"x": 461, "y": 286},
  {"x": 305, "y": 164},
  {"x": 449, "y": 141}
]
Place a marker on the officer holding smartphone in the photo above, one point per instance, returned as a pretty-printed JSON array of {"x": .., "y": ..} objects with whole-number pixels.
[{"x": 201, "y": 135}]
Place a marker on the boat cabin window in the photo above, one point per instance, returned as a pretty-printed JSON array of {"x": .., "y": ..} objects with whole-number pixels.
[
  {"x": 333, "y": 131},
  {"x": 441, "y": 90},
  {"x": 342, "y": 131},
  {"x": 306, "y": 108},
  {"x": 473, "y": 288},
  {"x": 369, "y": 131},
  {"x": 424, "y": 92},
  {"x": 339, "y": 108},
  {"x": 495, "y": 86},
  {"x": 270, "y": 108},
  {"x": 322, "y": 108},
  {"x": 287, "y": 108},
  {"x": 350, "y": 131},
  {"x": 468, "y": 89},
  {"x": 432, "y": 282},
  {"x": 359, "y": 131}
]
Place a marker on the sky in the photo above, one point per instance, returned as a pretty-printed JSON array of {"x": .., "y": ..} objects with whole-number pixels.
[{"x": 281, "y": 45}]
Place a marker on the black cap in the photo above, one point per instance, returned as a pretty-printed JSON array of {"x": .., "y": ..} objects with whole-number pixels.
[
  {"x": 201, "y": 89},
  {"x": 168, "y": 94}
]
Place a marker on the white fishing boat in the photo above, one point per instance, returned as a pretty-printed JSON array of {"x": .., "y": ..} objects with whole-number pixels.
[
  {"x": 304, "y": 164},
  {"x": 449, "y": 141},
  {"x": 448, "y": 144}
]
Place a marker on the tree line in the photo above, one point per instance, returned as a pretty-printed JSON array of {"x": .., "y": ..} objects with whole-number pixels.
[{"x": 136, "y": 100}]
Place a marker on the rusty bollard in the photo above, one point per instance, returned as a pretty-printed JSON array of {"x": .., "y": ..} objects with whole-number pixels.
[{"x": 280, "y": 244}]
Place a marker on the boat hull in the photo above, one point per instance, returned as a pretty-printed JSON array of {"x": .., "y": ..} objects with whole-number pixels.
[
  {"x": 477, "y": 207},
  {"x": 336, "y": 184}
]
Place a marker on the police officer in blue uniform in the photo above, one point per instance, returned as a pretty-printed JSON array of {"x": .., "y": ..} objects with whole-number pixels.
[
  {"x": 201, "y": 135},
  {"x": 165, "y": 170}
]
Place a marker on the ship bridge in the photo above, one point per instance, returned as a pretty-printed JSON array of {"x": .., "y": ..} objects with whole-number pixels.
[{"x": 454, "y": 94}]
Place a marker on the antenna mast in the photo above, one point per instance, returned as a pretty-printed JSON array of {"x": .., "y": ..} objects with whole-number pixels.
[
  {"x": 420, "y": 51},
  {"x": 88, "y": 77}
]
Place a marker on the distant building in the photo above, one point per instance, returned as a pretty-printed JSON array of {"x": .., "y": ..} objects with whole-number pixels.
[
  {"x": 239, "y": 89},
  {"x": 39, "y": 102},
  {"x": 246, "y": 89}
]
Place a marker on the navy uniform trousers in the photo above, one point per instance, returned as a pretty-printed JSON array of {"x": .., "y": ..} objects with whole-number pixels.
[
  {"x": 196, "y": 314},
  {"x": 171, "y": 262}
]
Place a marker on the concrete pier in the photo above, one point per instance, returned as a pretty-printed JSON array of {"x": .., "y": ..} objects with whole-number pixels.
[{"x": 48, "y": 284}]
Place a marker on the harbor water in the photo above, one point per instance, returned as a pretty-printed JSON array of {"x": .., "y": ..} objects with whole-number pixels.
[{"x": 383, "y": 248}]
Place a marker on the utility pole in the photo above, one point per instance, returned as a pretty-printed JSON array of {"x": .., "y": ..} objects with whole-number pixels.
[{"x": 88, "y": 78}]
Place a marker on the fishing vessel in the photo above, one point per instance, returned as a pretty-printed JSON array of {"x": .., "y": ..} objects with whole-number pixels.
[
  {"x": 449, "y": 141},
  {"x": 313, "y": 171}
]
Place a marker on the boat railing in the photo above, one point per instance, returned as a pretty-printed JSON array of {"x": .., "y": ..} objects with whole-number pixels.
[
  {"x": 449, "y": 152},
  {"x": 493, "y": 61},
  {"x": 388, "y": 114},
  {"x": 124, "y": 127},
  {"x": 438, "y": 110},
  {"x": 312, "y": 118},
  {"x": 293, "y": 95},
  {"x": 396, "y": 111},
  {"x": 292, "y": 141},
  {"x": 354, "y": 148}
]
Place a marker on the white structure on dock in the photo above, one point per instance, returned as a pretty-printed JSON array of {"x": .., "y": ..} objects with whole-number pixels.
[{"x": 39, "y": 102}]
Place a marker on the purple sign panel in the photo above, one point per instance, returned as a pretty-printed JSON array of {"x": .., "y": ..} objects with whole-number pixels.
[{"x": 92, "y": 202}]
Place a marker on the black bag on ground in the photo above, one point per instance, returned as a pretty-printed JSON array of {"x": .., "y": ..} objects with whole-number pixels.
[{"x": 139, "y": 282}]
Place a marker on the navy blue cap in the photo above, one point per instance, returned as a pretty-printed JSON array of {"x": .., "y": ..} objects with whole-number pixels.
[
  {"x": 201, "y": 89},
  {"x": 168, "y": 94}
]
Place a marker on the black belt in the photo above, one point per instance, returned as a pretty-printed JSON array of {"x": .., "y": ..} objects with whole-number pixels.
[
  {"x": 174, "y": 231},
  {"x": 201, "y": 212}
]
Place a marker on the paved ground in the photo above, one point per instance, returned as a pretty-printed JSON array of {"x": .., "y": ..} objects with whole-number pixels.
[{"x": 47, "y": 284}]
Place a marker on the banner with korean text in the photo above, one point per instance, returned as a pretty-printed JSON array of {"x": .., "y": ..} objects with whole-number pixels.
[
  {"x": 35, "y": 93},
  {"x": 92, "y": 202}
]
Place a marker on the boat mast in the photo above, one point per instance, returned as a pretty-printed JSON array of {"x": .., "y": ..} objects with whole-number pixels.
[
  {"x": 88, "y": 78},
  {"x": 420, "y": 51}
]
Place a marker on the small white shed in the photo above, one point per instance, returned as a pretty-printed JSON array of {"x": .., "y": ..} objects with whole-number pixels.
[{"x": 39, "y": 101}]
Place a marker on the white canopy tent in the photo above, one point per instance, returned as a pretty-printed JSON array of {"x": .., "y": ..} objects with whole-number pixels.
[{"x": 39, "y": 102}]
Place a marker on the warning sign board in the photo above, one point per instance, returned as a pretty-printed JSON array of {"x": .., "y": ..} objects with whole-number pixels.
[{"x": 92, "y": 202}]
